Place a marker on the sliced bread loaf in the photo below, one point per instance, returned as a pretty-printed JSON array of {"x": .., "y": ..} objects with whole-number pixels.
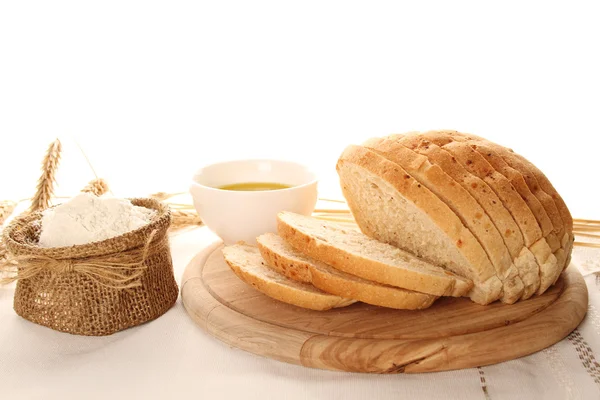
[
  {"x": 479, "y": 186},
  {"x": 530, "y": 179},
  {"x": 247, "y": 263},
  {"x": 432, "y": 169},
  {"x": 540, "y": 185},
  {"x": 559, "y": 237},
  {"x": 539, "y": 209},
  {"x": 568, "y": 237},
  {"x": 483, "y": 151},
  {"x": 285, "y": 259},
  {"x": 352, "y": 252},
  {"x": 520, "y": 185},
  {"x": 509, "y": 196},
  {"x": 390, "y": 206}
]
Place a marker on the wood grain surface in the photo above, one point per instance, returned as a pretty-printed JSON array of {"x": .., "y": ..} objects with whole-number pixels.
[{"x": 454, "y": 333}]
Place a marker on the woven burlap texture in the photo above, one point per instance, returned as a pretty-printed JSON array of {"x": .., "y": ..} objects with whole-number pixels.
[{"x": 76, "y": 303}]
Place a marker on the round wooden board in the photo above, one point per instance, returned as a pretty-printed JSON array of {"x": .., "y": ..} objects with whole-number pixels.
[{"x": 451, "y": 334}]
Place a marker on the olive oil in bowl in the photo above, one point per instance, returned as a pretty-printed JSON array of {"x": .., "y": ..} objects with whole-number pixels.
[
  {"x": 254, "y": 186},
  {"x": 239, "y": 200}
]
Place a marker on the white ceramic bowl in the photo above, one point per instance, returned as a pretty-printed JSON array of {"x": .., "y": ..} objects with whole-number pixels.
[{"x": 244, "y": 215}]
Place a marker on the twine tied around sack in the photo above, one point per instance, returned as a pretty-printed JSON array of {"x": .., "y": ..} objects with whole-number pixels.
[{"x": 116, "y": 271}]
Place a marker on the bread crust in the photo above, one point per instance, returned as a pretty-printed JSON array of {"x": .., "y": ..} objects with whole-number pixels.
[
  {"x": 284, "y": 258},
  {"x": 425, "y": 167},
  {"x": 533, "y": 184},
  {"x": 476, "y": 164},
  {"x": 540, "y": 185},
  {"x": 547, "y": 187},
  {"x": 486, "y": 199},
  {"x": 550, "y": 267},
  {"x": 552, "y": 201}
]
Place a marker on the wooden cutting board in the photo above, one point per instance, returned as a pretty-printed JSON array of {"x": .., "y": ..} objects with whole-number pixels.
[{"x": 451, "y": 334}]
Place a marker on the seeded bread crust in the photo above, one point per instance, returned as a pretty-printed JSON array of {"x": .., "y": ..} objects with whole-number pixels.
[
  {"x": 514, "y": 203},
  {"x": 472, "y": 215},
  {"x": 488, "y": 203},
  {"x": 547, "y": 187},
  {"x": 344, "y": 250},
  {"x": 282, "y": 257},
  {"x": 246, "y": 262},
  {"x": 533, "y": 184},
  {"x": 517, "y": 180},
  {"x": 550, "y": 266},
  {"x": 551, "y": 237},
  {"x": 545, "y": 184},
  {"x": 553, "y": 202},
  {"x": 561, "y": 237}
]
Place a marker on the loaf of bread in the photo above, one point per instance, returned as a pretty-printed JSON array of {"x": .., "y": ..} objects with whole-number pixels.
[
  {"x": 441, "y": 213},
  {"x": 465, "y": 204}
]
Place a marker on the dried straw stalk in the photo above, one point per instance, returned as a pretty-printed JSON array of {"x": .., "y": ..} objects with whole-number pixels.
[
  {"x": 96, "y": 186},
  {"x": 45, "y": 186}
]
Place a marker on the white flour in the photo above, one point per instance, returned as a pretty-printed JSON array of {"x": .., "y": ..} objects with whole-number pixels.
[{"x": 86, "y": 218}]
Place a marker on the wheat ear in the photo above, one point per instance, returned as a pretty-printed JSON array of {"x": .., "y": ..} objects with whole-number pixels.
[
  {"x": 45, "y": 186},
  {"x": 96, "y": 187},
  {"x": 6, "y": 209},
  {"x": 184, "y": 218}
]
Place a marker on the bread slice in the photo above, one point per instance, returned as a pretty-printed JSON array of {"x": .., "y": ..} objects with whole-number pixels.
[
  {"x": 285, "y": 259},
  {"x": 390, "y": 206},
  {"x": 352, "y": 252},
  {"x": 541, "y": 248},
  {"x": 431, "y": 168},
  {"x": 246, "y": 262}
]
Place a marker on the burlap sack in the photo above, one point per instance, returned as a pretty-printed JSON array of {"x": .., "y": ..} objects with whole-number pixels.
[{"x": 98, "y": 288}]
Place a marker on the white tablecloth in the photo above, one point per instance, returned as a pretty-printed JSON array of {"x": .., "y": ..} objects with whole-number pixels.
[{"x": 173, "y": 358}]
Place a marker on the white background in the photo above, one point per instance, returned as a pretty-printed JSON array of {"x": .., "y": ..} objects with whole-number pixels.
[{"x": 153, "y": 90}]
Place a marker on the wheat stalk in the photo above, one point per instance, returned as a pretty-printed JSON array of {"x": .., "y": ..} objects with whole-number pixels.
[
  {"x": 587, "y": 244},
  {"x": 45, "y": 186},
  {"x": 96, "y": 187},
  {"x": 3, "y": 258},
  {"x": 6, "y": 209},
  {"x": 162, "y": 196},
  {"x": 182, "y": 219}
]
